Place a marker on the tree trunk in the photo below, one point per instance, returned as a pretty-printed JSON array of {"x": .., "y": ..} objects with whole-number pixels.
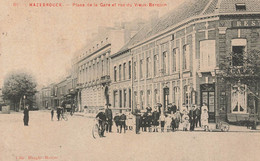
[{"x": 20, "y": 103}]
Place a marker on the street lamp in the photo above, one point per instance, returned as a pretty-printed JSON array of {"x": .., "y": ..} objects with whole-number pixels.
[{"x": 24, "y": 97}]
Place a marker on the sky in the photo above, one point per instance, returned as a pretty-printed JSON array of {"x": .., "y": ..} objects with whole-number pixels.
[{"x": 43, "y": 40}]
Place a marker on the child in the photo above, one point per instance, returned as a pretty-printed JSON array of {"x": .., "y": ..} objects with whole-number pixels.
[
  {"x": 162, "y": 120},
  {"x": 117, "y": 122},
  {"x": 204, "y": 119},
  {"x": 185, "y": 121}
]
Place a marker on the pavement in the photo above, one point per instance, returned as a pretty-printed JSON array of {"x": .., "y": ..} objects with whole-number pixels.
[{"x": 72, "y": 140}]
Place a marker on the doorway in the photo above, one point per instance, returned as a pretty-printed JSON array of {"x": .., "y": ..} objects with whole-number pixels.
[{"x": 208, "y": 97}]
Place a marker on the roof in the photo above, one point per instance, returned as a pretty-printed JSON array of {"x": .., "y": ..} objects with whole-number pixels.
[
  {"x": 188, "y": 9},
  {"x": 228, "y": 6}
]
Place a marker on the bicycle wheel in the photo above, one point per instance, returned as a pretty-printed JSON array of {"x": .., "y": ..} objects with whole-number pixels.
[
  {"x": 95, "y": 131},
  {"x": 65, "y": 117}
]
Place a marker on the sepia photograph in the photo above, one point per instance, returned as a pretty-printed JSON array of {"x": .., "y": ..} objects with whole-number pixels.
[{"x": 130, "y": 80}]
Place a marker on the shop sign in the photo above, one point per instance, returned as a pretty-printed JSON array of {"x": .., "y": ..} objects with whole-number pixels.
[{"x": 245, "y": 23}]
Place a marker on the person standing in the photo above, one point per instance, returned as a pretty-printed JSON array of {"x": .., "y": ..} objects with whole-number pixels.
[
  {"x": 198, "y": 116},
  {"x": 122, "y": 122},
  {"x": 204, "y": 119},
  {"x": 52, "y": 113},
  {"x": 155, "y": 117},
  {"x": 109, "y": 117},
  {"x": 117, "y": 121},
  {"x": 137, "y": 120},
  {"x": 177, "y": 119},
  {"x": 58, "y": 112},
  {"x": 26, "y": 115},
  {"x": 162, "y": 121},
  {"x": 192, "y": 116}
]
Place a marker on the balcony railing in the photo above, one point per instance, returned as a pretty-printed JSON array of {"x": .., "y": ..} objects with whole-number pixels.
[{"x": 105, "y": 79}]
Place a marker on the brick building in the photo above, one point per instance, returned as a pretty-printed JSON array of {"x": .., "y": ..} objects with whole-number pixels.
[{"x": 176, "y": 59}]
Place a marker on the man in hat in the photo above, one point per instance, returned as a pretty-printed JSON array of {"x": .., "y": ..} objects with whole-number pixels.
[{"x": 109, "y": 117}]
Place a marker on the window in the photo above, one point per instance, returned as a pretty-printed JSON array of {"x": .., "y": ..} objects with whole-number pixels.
[
  {"x": 135, "y": 99},
  {"x": 120, "y": 98},
  {"x": 141, "y": 69},
  {"x": 187, "y": 97},
  {"x": 148, "y": 66},
  {"x": 174, "y": 59},
  {"x": 115, "y": 98},
  {"x": 239, "y": 99},
  {"x": 238, "y": 49},
  {"x": 86, "y": 80},
  {"x": 124, "y": 70},
  {"x": 90, "y": 73},
  {"x": 130, "y": 99},
  {"x": 186, "y": 56},
  {"x": 115, "y": 73},
  {"x": 207, "y": 55},
  {"x": 125, "y": 95},
  {"x": 176, "y": 96},
  {"x": 135, "y": 70},
  {"x": 142, "y": 100},
  {"x": 102, "y": 68},
  {"x": 97, "y": 70},
  {"x": 94, "y": 72},
  {"x": 120, "y": 72},
  {"x": 148, "y": 100},
  {"x": 165, "y": 63},
  {"x": 156, "y": 65},
  {"x": 129, "y": 69},
  {"x": 156, "y": 97},
  {"x": 240, "y": 6}
]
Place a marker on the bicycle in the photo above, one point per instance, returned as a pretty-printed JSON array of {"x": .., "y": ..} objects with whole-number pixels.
[
  {"x": 96, "y": 130},
  {"x": 64, "y": 117}
]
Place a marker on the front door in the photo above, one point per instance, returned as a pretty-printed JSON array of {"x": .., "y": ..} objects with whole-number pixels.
[
  {"x": 165, "y": 99},
  {"x": 208, "y": 97}
]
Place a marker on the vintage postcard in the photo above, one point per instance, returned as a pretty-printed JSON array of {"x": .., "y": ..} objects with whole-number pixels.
[{"x": 129, "y": 80}]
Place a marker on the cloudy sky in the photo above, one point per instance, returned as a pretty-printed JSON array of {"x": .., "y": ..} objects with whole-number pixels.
[{"x": 42, "y": 40}]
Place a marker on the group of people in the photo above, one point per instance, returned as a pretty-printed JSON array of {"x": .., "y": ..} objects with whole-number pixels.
[
  {"x": 106, "y": 119},
  {"x": 59, "y": 111},
  {"x": 170, "y": 119}
]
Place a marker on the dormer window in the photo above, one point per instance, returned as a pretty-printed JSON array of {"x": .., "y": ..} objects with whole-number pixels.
[{"x": 240, "y": 6}]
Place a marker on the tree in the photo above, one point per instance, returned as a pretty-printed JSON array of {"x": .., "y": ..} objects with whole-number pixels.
[
  {"x": 242, "y": 69},
  {"x": 18, "y": 85}
]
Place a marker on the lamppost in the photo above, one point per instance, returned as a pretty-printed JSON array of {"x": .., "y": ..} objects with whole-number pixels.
[{"x": 24, "y": 97}]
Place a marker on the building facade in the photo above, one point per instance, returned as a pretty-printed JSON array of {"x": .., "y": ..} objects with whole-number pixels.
[
  {"x": 178, "y": 59},
  {"x": 95, "y": 69},
  {"x": 121, "y": 85}
]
